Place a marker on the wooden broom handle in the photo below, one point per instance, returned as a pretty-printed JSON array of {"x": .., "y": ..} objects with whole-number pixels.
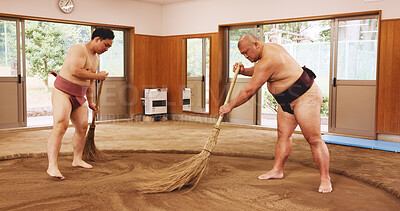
[
  {"x": 228, "y": 96},
  {"x": 97, "y": 101}
]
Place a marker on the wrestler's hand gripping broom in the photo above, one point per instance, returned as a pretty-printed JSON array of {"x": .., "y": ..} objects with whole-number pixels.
[
  {"x": 187, "y": 172},
  {"x": 90, "y": 152}
]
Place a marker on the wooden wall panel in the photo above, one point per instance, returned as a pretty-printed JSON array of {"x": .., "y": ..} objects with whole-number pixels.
[
  {"x": 147, "y": 62},
  {"x": 159, "y": 64},
  {"x": 395, "y": 127},
  {"x": 388, "y": 110},
  {"x": 172, "y": 67},
  {"x": 216, "y": 75}
]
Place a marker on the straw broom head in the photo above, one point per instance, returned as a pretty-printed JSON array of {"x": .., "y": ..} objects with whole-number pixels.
[
  {"x": 90, "y": 152},
  {"x": 189, "y": 171},
  {"x": 185, "y": 173}
]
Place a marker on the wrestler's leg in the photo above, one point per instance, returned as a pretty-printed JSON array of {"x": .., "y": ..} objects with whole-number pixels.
[
  {"x": 61, "y": 112},
  {"x": 79, "y": 118},
  {"x": 307, "y": 111},
  {"x": 286, "y": 125}
]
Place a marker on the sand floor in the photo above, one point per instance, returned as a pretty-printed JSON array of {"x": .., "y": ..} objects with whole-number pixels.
[{"x": 362, "y": 179}]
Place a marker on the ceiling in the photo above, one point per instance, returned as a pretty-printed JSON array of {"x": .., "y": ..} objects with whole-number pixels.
[{"x": 163, "y": 2}]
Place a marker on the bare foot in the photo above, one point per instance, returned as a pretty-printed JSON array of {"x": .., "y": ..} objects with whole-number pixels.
[
  {"x": 81, "y": 163},
  {"x": 55, "y": 174},
  {"x": 271, "y": 175},
  {"x": 325, "y": 186}
]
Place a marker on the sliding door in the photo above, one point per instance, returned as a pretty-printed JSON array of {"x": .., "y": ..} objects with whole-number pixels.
[
  {"x": 246, "y": 113},
  {"x": 354, "y": 76},
  {"x": 308, "y": 42},
  {"x": 12, "y": 77},
  {"x": 114, "y": 96}
]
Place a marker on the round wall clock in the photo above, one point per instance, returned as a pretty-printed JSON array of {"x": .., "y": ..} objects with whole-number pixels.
[{"x": 66, "y": 5}]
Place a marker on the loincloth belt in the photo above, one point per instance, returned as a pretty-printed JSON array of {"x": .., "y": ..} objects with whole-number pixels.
[
  {"x": 77, "y": 92},
  {"x": 301, "y": 86}
]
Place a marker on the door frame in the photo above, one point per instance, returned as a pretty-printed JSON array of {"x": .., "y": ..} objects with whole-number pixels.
[
  {"x": 334, "y": 82},
  {"x": 113, "y": 82},
  {"x": 254, "y": 116},
  {"x": 20, "y": 78}
]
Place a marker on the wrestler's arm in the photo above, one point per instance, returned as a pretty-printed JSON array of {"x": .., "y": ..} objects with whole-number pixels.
[
  {"x": 77, "y": 61},
  {"x": 260, "y": 76},
  {"x": 89, "y": 96},
  {"x": 249, "y": 71},
  {"x": 244, "y": 71},
  {"x": 90, "y": 91}
]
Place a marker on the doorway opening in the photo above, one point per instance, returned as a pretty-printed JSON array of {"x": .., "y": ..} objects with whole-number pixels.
[
  {"x": 46, "y": 44},
  {"x": 308, "y": 42}
]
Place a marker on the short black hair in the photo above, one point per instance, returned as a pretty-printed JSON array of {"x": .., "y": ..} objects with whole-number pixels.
[{"x": 103, "y": 33}]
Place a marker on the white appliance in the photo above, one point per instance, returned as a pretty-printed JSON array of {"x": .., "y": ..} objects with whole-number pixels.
[
  {"x": 155, "y": 101},
  {"x": 186, "y": 104}
]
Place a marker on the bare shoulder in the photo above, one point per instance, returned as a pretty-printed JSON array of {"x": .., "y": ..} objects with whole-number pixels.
[
  {"x": 78, "y": 48},
  {"x": 263, "y": 68},
  {"x": 273, "y": 45},
  {"x": 264, "y": 64}
]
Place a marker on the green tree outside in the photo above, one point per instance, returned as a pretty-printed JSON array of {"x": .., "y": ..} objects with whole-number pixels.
[{"x": 47, "y": 44}]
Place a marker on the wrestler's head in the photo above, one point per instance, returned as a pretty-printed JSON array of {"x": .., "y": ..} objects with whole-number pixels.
[
  {"x": 103, "y": 39},
  {"x": 249, "y": 46}
]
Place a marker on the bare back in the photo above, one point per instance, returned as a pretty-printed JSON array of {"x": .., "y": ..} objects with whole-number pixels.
[
  {"x": 283, "y": 70},
  {"x": 79, "y": 57}
]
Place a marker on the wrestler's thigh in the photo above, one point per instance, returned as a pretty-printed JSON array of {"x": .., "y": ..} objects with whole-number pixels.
[
  {"x": 79, "y": 116},
  {"x": 307, "y": 112},
  {"x": 61, "y": 107},
  {"x": 286, "y": 124}
]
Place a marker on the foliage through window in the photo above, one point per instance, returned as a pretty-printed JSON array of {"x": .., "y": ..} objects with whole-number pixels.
[
  {"x": 198, "y": 73},
  {"x": 47, "y": 44},
  {"x": 357, "y": 49},
  {"x": 112, "y": 61},
  {"x": 234, "y": 53},
  {"x": 8, "y": 48}
]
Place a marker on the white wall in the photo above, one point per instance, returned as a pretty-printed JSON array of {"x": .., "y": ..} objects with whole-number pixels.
[
  {"x": 204, "y": 16},
  {"x": 146, "y": 18},
  {"x": 192, "y": 17}
]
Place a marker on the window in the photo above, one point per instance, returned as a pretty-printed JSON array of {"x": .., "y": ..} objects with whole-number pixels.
[
  {"x": 311, "y": 44},
  {"x": 234, "y": 54},
  {"x": 46, "y": 45},
  {"x": 112, "y": 61},
  {"x": 198, "y": 73},
  {"x": 8, "y": 48},
  {"x": 357, "y": 49},
  {"x": 308, "y": 42}
]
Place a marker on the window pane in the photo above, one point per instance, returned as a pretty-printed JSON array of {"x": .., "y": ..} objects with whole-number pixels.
[
  {"x": 207, "y": 72},
  {"x": 112, "y": 61},
  {"x": 8, "y": 48},
  {"x": 234, "y": 53},
  {"x": 46, "y": 46},
  {"x": 308, "y": 42},
  {"x": 357, "y": 49},
  {"x": 195, "y": 57},
  {"x": 198, "y": 69}
]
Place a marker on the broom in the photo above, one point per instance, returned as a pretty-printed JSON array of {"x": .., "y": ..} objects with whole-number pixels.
[
  {"x": 90, "y": 152},
  {"x": 189, "y": 171}
]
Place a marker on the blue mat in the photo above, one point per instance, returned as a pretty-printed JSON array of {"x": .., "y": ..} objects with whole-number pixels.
[{"x": 363, "y": 143}]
